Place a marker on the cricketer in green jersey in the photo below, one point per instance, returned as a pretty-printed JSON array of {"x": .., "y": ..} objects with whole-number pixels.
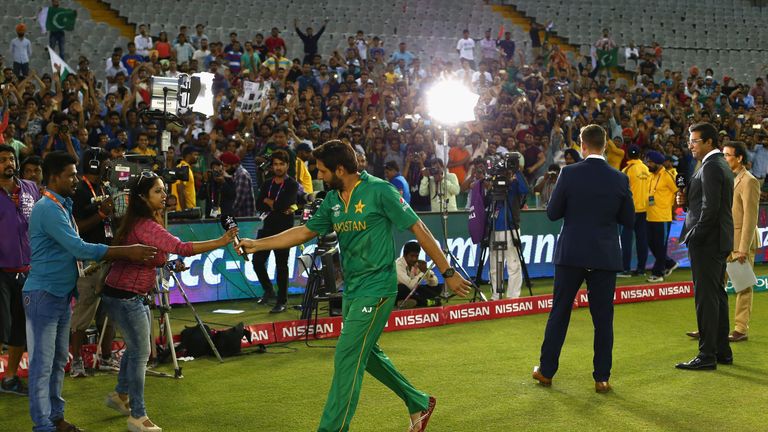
[{"x": 362, "y": 210}]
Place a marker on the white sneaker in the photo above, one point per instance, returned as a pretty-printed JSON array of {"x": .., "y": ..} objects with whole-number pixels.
[
  {"x": 109, "y": 365},
  {"x": 113, "y": 401},
  {"x": 669, "y": 271},
  {"x": 655, "y": 279},
  {"x": 77, "y": 368},
  {"x": 137, "y": 425}
]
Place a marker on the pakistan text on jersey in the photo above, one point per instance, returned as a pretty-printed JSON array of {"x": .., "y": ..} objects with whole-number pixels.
[{"x": 349, "y": 226}]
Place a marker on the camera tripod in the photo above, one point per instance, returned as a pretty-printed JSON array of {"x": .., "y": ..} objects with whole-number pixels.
[
  {"x": 500, "y": 202},
  {"x": 162, "y": 303},
  {"x": 452, "y": 260},
  {"x": 319, "y": 287}
]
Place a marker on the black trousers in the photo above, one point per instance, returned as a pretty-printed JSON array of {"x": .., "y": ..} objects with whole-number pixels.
[
  {"x": 422, "y": 294},
  {"x": 281, "y": 271},
  {"x": 708, "y": 270},
  {"x": 657, "y": 243},
  {"x": 601, "y": 285},
  {"x": 640, "y": 232}
]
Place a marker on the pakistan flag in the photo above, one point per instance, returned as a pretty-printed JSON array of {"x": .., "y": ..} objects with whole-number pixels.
[{"x": 56, "y": 19}]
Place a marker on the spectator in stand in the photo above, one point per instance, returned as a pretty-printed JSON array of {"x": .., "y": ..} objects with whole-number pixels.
[
  {"x": 163, "y": 47},
  {"x": 465, "y": 47},
  {"x": 132, "y": 59},
  {"x": 507, "y": 46},
  {"x": 183, "y": 49},
  {"x": 243, "y": 205},
  {"x": 142, "y": 145},
  {"x": 605, "y": 43},
  {"x": 392, "y": 173},
  {"x": 639, "y": 178},
  {"x": 535, "y": 34},
  {"x": 631, "y": 56},
  {"x": 309, "y": 39},
  {"x": 661, "y": 198},
  {"x": 488, "y": 51},
  {"x": 115, "y": 67},
  {"x": 260, "y": 47},
  {"x": 184, "y": 190},
  {"x": 202, "y": 53},
  {"x": 402, "y": 54},
  {"x": 143, "y": 42},
  {"x": 274, "y": 43},
  {"x": 233, "y": 57},
  {"x": 439, "y": 188},
  {"x": 199, "y": 35},
  {"x": 21, "y": 52},
  {"x": 250, "y": 59}
]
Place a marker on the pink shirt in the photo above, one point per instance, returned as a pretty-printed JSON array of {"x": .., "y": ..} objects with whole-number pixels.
[{"x": 140, "y": 277}]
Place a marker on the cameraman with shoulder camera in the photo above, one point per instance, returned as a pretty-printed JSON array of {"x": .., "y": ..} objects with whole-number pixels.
[
  {"x": 546, "y": 184},
  {"x": 506, "y": 229},
  {"x": 437, "y": 187},
  {"x": 276, "y": 199},
  {"x": 93, "y": 210}
]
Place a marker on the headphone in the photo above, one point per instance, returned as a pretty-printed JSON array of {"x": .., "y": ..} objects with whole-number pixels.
[{"x": 94, "y": 163}]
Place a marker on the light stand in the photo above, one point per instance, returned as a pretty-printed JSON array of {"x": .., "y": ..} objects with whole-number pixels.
[{"x": 451, "y": 103}]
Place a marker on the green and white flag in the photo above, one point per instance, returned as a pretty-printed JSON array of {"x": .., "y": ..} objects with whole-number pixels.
[
  {"x": 56, "y": 19},
  {"x": 56, "y": 60}
]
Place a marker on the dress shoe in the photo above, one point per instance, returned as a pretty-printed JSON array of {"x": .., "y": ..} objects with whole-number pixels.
[
  {"x": 264, "y": 300},
  {"x": 737, "y": 336},
  {"x": 725, "y": 360},
  {"x": 697, "y": 364},
  {"x": 693, "y": 334},
  {"x": 278, "y": 308},
  {"x": 544, "y": 381},
  {"x": 602, "y": 387}
]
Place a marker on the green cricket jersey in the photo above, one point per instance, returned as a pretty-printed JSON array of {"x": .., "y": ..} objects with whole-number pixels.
[{"x": 364, "y": 228}]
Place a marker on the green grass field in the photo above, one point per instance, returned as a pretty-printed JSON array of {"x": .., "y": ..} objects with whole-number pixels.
[{"x": 479, "y": 372}]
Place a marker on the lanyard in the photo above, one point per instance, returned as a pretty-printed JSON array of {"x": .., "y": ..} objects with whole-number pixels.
[
  {"x": 269, "y": 192},
  {"x": 653, "y": 188},
  {"x": 90, "y": 186},
  {"x": 51, "y": 197}
]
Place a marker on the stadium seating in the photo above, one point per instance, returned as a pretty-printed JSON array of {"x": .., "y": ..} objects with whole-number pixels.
[{"x": 726, "y": 35}]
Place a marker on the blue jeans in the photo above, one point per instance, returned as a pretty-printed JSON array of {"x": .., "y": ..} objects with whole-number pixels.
[
  {"x": 57, "y": 38},
  {"x": 132, "y": 317},
  {"x": 48, "y": 349}
]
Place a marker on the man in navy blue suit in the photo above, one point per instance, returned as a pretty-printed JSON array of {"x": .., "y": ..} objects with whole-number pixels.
[{"x": 592, "y": 198}]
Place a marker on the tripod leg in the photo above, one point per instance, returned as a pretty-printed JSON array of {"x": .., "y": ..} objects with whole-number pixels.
[
  {"x": 200, "y": 323},
  {"x": 101, "y": 339}
]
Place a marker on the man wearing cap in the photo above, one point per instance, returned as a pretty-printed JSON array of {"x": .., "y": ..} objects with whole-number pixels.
[
  {"x": 21, "y": 51},
  {"x": 184, "y": 191},
  {"x": 661, "y": 197},
  {"x": 639, "y": 176},
  {"x": 244, "y": 205}
]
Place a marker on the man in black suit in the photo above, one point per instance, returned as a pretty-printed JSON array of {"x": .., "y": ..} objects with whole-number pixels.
[
  {"x": 708, "y": 233},
  {"x": 592, "y": 198}
]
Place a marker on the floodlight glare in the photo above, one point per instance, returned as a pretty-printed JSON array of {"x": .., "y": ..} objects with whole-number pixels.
[{"x": 450, "y": 102}]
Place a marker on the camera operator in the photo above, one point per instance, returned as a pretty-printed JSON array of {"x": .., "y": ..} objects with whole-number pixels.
[
  {"x": 437, "y": 187},
  {"x": 184, "y": 191},
  {"x": 93, "y": 210},
  {"x": 59, "y": 137},
  {"x": 243, "y": 204},
  {"x": 277, "y": 198},
  {"x": 410, "y": 271},
  {"x": 516, "y": 190},
  {"x": 546, "y": 184},
  {"x": 219, "y": 190}
]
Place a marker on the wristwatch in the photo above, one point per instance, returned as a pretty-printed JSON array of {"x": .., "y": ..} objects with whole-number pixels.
[{"x": 449, "y": 272}]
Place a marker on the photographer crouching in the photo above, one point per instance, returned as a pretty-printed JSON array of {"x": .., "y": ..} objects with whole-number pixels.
[{"x": 506, "y": 190}]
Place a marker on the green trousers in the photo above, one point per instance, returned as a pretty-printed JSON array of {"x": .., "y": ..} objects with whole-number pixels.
[{"x": 356, "y": 352}]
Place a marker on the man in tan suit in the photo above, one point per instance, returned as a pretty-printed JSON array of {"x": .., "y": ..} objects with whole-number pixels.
[{"x": 746, "y": 202}]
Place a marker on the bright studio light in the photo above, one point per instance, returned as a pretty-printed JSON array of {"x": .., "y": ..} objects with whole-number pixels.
[{"x": 450, "y": 102}]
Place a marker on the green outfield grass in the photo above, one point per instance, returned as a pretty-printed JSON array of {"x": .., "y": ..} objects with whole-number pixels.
[{"x": 479, "y": 372}]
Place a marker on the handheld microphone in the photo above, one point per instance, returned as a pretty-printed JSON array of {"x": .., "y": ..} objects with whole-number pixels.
[
  {"x": 229, "y": 222},
  {"x": 680, "y": 181}
]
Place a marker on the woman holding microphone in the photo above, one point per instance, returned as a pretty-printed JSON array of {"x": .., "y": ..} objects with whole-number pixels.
[{"x": 128, "y": 283}]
